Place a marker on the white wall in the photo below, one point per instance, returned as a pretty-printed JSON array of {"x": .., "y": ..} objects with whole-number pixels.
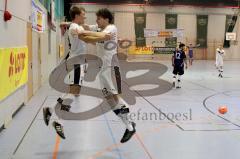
[
  {"x": 189, "y": 24},
  {"x": 49, "y": 59},
  {"x": 40, "y": 70},
  {"x": 123, "y": 21},
  {"x": 13, "y": 34},
  {"x": 35, "y": 63},
  {"x": 216, "y": 33},
  {"x": 44, "y": 55},
  {"x": 154, "y": 21},
  {"x": 233, "y": 52},
  {"x": 49, "y": 56},
  {"x": 159, "y": 9}
]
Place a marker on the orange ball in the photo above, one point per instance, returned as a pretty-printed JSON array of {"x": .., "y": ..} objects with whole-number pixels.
[{"x": 222, "y": 110}]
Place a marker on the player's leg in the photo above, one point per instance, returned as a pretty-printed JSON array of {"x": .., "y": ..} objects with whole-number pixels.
[
  {"x": 174, "y": 76},
  {"x": 121, "y": 109},
  {"x": 82, "y": 72},
  {"x": 220, "y": 67},
  {"x": 191, "y": 61},
  {"x": 217, "y": 67},
  {"x": 190, "y": 58},
  {"x": 180, "y": 73},
  {"x": 58, "y": 126},
  {"x": 111, "y": 92},
  {"x": 48, "y": 112},
  {"x": 178, "y": 81},
  {"x": 220, "y": 71}
]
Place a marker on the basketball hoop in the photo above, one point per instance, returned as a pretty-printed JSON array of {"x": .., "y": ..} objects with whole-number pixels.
[{"x": 231, "y": 36}]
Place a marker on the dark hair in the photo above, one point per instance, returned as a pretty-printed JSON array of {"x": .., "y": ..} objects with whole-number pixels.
[
  {"x": 181, "y": 45},
  {"x": 105, "y": 14},
  {"x": 74, "y": 10}
]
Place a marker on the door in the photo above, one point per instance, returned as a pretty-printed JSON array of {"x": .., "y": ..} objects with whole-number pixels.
[
  {"x": 39, "y": 60},
  {"x": 30, "y": 71}
]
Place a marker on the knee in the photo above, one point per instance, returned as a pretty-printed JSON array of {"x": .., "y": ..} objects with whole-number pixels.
[
  {"x": 105, "y": 92},
  {"x": 122, "y": 110}
]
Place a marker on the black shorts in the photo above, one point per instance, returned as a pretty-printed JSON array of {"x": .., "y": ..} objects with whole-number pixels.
[
  {"x": 118, "y": 79},
  {"x": 178, "y": 70}
]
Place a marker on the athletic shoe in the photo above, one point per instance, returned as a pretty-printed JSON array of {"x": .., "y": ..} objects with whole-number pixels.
[
  {"x": 65, "y": 107},
  {"x": 59, "y": 129},
  {"x": 46, "y": 115},
  {"x": 128, "y": 134}
]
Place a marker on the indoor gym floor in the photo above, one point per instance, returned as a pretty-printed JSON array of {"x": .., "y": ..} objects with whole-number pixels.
[{"x": 201, "y": 133}]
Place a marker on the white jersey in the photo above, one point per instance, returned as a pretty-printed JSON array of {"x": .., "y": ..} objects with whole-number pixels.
[
  {"x": 94, "y": 27},
  {"x": 104, "y": 53},
  {"x": 219, "y": 57},
  {"x": 77, "y": 46}
]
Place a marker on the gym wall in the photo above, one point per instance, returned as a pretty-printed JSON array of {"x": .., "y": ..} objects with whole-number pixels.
[
  {"x": 44, "y": 51},
  {"x": 124, "y": 20},
  {"x": 13, "y": 34}
]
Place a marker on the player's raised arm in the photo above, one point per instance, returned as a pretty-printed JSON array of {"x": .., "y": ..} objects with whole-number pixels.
[{"x": 92, "y": 37}]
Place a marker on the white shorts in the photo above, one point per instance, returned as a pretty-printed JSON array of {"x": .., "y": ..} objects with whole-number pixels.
[
  {"x": 110, "y": 79},
  {"x": 219, "y": 62}
]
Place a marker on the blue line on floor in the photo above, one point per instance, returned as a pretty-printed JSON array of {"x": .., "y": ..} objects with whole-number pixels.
[{"x": 114, "y": 140}]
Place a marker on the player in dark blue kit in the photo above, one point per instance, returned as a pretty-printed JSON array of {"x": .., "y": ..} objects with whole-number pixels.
[
  {"x": 178, "y": 60},
  {"x": 190, "y": 54}
]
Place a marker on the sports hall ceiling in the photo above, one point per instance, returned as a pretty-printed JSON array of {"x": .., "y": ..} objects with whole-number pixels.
[{"x": 207, "y": 3}]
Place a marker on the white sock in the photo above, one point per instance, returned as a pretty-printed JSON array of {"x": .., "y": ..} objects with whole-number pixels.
[
  {"x": 174, "y": 78},
  {"x": 124, "y": 117},
  {"x": 58, "y": 119},
  {"x": 126, "y": 121},
  {"x": 179, "y": 80}
]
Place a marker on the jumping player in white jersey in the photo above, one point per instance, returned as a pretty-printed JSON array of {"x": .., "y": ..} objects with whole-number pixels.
[
  {"x": 111, "y": 89},
  {"x": 219, "y": 60},
  {"x": 77, "y": 47},
  {"x": 110, "y": 78}
]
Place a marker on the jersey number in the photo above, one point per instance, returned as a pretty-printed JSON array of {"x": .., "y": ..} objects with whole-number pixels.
[{"x": 178, "y": 55}]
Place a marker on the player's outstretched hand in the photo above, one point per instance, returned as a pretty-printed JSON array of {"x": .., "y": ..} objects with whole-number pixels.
[
  {"x": 65, "y": 24},
  {"x": 198, "y": 45}
]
